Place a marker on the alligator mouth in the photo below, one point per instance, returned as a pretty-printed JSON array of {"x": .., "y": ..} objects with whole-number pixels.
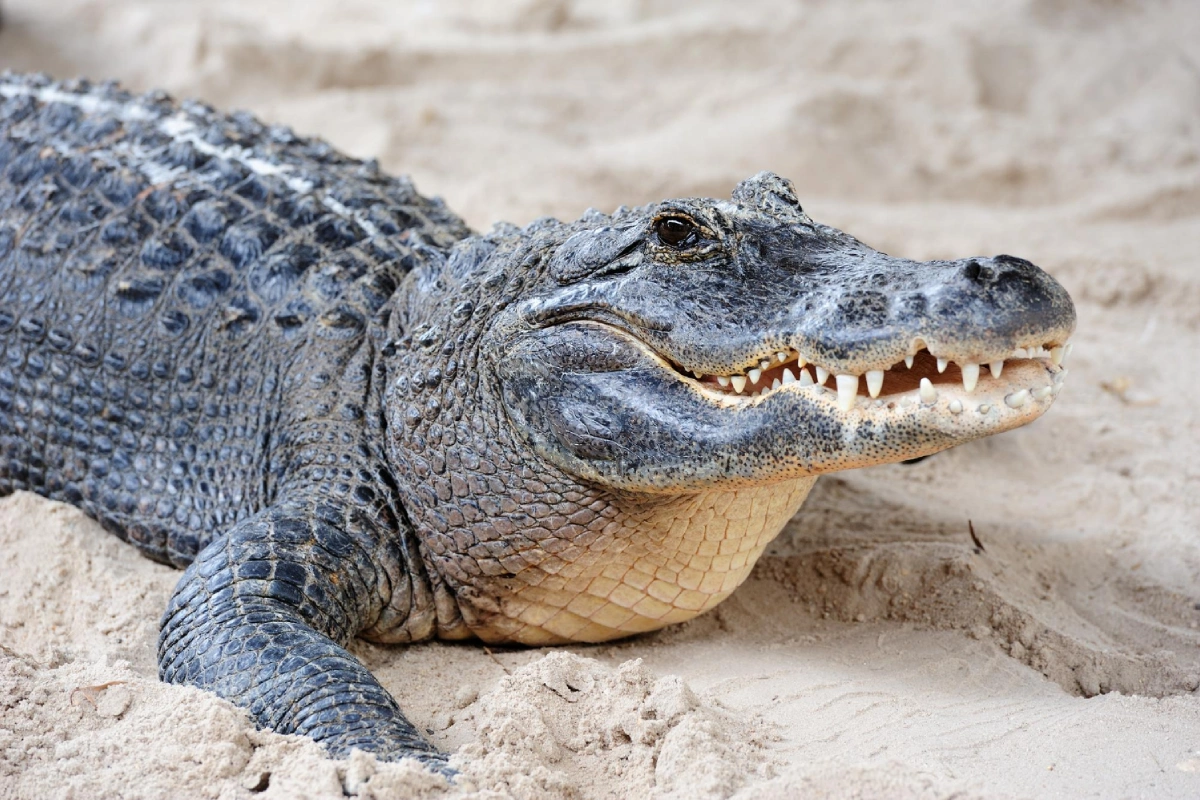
[{"x": 920, "y": 379}]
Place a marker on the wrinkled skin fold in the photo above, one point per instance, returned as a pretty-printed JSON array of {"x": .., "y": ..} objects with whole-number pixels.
[{"x": 345, "y": 414}]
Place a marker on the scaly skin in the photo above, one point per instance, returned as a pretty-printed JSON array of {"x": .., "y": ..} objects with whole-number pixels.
[{"x": 345, "y": 414}]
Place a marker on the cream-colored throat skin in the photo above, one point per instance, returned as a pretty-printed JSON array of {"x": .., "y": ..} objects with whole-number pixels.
[{"x": 673, "y": 559}]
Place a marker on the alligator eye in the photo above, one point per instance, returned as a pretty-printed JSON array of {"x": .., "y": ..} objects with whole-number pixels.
[{"x": 675, "y": 231}]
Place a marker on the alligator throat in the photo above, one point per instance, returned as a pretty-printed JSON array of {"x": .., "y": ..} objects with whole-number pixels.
[{"x": 676, "y": 558}]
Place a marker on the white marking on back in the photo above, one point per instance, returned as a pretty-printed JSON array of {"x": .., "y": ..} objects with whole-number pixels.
[
  {"x": 182, "y": 129},
  {"x": 88, "y": 103}
]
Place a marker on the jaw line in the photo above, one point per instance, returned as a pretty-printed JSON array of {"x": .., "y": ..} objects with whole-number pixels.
[{"x": 996, "y": 404}]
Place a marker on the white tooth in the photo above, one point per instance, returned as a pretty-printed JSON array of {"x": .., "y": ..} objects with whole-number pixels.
[
  {"x": 847, "y": 388},
  {"x": 1017, "y": 399},
  {"x": 775, "y": 384},
  {"x": 996, "y": 367},
  {"x": 721, "y": 379},
  {"x": 1056, "y": 356},
  {"x": 1067, "y": 350},
  {"x": 1042, "y": 392},
  {"x": 781, "y": 356},
  {"x": 699, "y": 377},
  {"x": 1019, "y": 353},
  {"x": 1056, "y": 389},
  {"x": 754, "y": 374},
  {"x": 955, "y": 407},
  {"x": 985, "y": 408},
  {"x": 739, "y": 383},
  {"x": 800, "y": 362},
  {"x": 822, "y": 376},
  {"x": 970, "y": 375},
  {"x": 928, "y": 393},
  {"x": 788, "y": 377},
  {"x": 908, "y": 361},
  {"x": 942, "y": 364},
  {"x": 1061, "y": 375},
  {"x": 764, "y": 364},
  {"x": 874, "y": 382},
  {"x": 805, "y": 378}
]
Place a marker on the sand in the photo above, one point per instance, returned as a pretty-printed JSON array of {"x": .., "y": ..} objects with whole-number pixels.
[{"x": 875, "y": 652}]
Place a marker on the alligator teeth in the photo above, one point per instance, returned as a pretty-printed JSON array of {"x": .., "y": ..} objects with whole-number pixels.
[
  {"x": 847, "y": 389},
  {"x": 1067, "y": 350},
  {"x": 752, "y": 382},
  {"x": 874, "y": 382},
  {"x": 985, "y": 408},
  {"x": 1017, "y": 399},
  {"x": 970, "y": 376},
  {"x": 928, "y": 393}
]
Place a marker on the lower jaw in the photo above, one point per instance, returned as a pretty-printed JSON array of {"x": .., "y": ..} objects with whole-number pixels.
[
  {"x": 1028, "y": 388},
  {"x": 882, "y": 430}
]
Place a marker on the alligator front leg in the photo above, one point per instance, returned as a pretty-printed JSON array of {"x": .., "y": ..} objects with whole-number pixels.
[{"x": 260, "y": 618}]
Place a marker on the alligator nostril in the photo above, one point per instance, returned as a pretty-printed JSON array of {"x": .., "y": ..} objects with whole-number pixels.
[{"x": 974, "y": 271}]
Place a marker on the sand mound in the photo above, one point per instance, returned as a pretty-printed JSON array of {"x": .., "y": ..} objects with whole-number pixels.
[{"x": 565, "y": 721}]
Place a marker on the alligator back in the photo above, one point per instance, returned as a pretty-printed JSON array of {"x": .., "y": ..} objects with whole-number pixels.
[{"x": 167, "y": 276}]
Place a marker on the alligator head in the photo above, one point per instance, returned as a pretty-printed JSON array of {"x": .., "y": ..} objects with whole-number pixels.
[{"x": 665, "y": 384}]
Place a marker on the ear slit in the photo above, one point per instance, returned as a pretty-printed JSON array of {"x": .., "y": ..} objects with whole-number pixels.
[{"x": 587, "y": 252}]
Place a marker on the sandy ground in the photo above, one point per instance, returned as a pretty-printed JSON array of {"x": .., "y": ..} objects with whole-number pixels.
[{"x": 875, "y": 652}]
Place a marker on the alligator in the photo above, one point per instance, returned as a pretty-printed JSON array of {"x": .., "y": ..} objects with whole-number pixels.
[{"x": 344, "y": 413}]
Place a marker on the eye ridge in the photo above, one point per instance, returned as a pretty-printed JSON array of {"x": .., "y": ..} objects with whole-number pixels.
[{"x": 676, "y": 231}]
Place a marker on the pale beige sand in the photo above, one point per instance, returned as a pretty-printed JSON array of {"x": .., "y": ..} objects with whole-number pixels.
[{"x": 874, "y": 652}]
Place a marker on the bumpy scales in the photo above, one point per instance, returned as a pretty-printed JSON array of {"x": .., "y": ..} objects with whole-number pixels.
[{"x": 346, "y": 414}]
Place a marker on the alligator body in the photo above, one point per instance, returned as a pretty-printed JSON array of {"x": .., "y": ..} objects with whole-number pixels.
[{"x": 344, "y": 413}]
